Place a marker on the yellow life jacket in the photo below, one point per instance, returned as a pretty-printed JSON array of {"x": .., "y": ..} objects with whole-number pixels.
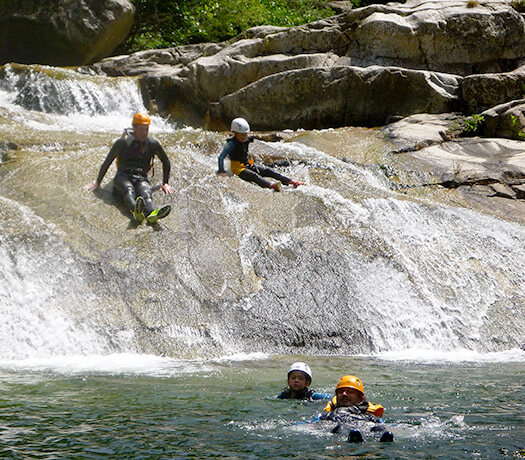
[
  {"x": 237, "y": 167},
  {"x": 374, "y": 409}
]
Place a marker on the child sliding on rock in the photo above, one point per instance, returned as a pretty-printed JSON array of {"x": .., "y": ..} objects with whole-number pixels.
[{"x": 243, "y": 166}]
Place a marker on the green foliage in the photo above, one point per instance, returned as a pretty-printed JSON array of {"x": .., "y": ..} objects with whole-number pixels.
[
  {"x": 166, "y": 23},
  {"x": 473, "y": 124},
  {"x": 516, "y": 122},
  {"x": 179, "y": 22},
  {"x": 518, "y": 5}
]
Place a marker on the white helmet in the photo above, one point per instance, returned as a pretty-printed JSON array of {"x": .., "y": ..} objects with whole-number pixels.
[
  {"x": 303, "y": 367},
  {"x": 240, "y": 125}
]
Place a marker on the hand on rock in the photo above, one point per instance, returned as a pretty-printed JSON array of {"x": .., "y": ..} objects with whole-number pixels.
[
  {"x": 167, "y": 189},
  {"x": 92, "y": 187}
]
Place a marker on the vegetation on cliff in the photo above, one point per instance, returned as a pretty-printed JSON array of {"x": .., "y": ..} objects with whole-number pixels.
[{"x": 181, "y": 22}]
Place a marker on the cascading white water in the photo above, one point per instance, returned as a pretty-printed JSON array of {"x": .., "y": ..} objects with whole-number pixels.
[
  {"x": 74, "y": 101},
  {"x": 416, "y": 274},
  {"x": 455, "y": 269},
  {"x": 37, "y": 292}
]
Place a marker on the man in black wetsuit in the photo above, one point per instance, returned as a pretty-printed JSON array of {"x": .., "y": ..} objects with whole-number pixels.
[
  {"x": 349, "y": 406},
  {"x": 134, "y": 152}
]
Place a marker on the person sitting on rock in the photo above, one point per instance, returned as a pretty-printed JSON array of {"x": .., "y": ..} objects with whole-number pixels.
[
  {"x": 242, "y": 165},
  {"x": 134, "y": 152},
  {"x": 299, "y": 379},
  {"x": 349, "y": 407}
]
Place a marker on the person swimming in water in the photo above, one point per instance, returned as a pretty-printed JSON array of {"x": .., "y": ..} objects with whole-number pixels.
[
  {"x": 349, "y": 405},
  {"x": 299, "y": 379}
]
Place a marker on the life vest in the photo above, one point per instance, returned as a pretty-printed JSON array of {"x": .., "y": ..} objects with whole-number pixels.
[
  {"x": 365, "y": 406},
  {"x": 239, "y": 155}
]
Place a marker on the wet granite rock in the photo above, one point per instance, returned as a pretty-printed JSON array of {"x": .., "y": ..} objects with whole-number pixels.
[{"x": 62, "y": 32}]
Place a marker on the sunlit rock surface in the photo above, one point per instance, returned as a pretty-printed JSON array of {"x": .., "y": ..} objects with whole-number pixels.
[
  {"x": 373, "y": 254},
  {"x": 62, "y": 32},
  {"x": 291, "y": 77}
]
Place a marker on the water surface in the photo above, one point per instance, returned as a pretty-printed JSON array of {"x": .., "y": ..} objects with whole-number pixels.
[{"x": 160, "y": 408}]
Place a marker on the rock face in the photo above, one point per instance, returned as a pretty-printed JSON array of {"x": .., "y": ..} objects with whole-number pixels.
[
  {"x": 366, "y": 66},
  {"x": 490, "y": 172},
  {"x": 62, "y": 32},
  {"x": 347, "y": 96},
  {"x": 505, "y": 120},
  {"x": 481, "y": 92}
]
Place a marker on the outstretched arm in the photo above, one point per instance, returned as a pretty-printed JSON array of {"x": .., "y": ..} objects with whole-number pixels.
[
  {"x": 166, "y": 168},
  {"x": 225, "y": 152},
  {"x": 104, "y": 168}
]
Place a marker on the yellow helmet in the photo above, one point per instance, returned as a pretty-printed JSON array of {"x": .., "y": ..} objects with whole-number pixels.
[
  {"x": 350, "y": 381},
  {"x": 141, "y": 119}
]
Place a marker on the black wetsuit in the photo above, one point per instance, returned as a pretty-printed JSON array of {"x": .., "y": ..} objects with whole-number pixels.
[
  {"x": 351, "y": 413},
  {"x": 238, "y": 151},
  {"x": 305, "y": 395},
  {"x": 133, "y": 161},
  {"x": 357, "y": 417}
]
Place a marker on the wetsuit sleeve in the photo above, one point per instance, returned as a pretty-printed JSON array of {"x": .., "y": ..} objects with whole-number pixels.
[
  {"x": 317, "y": 396},
  {"x": 113, "y": 153},
  {"x": 166, "y": 165},
  {"x": 285, "y": 394},
  {"x": 225, "y": 152}
]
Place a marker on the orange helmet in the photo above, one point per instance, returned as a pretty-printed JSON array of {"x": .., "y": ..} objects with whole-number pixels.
[
  {"x": 141, "y": 119},
  {"x": 350, "y": 381}
]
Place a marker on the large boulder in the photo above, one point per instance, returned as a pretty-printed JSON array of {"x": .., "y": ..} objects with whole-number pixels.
[
  {"x": 347, "y": 95},
  {"x": 505, "y": 120},
  {"x": 62, "y": 32},
  {"x": 483, "y": 91},
  {"x": 445, "y": 36},
  {"x": 326, "y": 73},
  {"x": 488, "y": 173}
]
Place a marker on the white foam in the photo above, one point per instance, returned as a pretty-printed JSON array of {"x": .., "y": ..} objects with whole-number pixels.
[
  {"x": 123, "y": 364},
  {"x": 65, "y": 100},
  {"x": 116, "y": 363},
  {"x": 456, "y": 356},
  {"x": 237, "y": 357}
]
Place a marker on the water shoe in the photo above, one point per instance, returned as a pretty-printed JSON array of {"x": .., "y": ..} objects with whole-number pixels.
[
  {"x": 277, "y": 186},
  {"x": 296, "y": 183},
  {"x": 387, "y": 436},
  {"x": 355, "y": 436},
  {"x": 158, "y": 213},
  {"x": 138, "y": 212}
]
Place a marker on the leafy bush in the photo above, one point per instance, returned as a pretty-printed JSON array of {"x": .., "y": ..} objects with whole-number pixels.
[
  {"x": 518, "y": 5},
  {"x": 515, "y": 122},
  {"x": 473, "y": 125},
  {"x": 166, "y": 23},
  {"x": 179, "y": 22}
]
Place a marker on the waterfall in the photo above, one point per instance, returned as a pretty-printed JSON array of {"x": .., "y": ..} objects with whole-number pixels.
[
  {"x": 38, "y": 291},
  {"x": 66, "y": 92},
  {"x": 344, "y": 265},
  {"x": 70, "y": 99}
]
